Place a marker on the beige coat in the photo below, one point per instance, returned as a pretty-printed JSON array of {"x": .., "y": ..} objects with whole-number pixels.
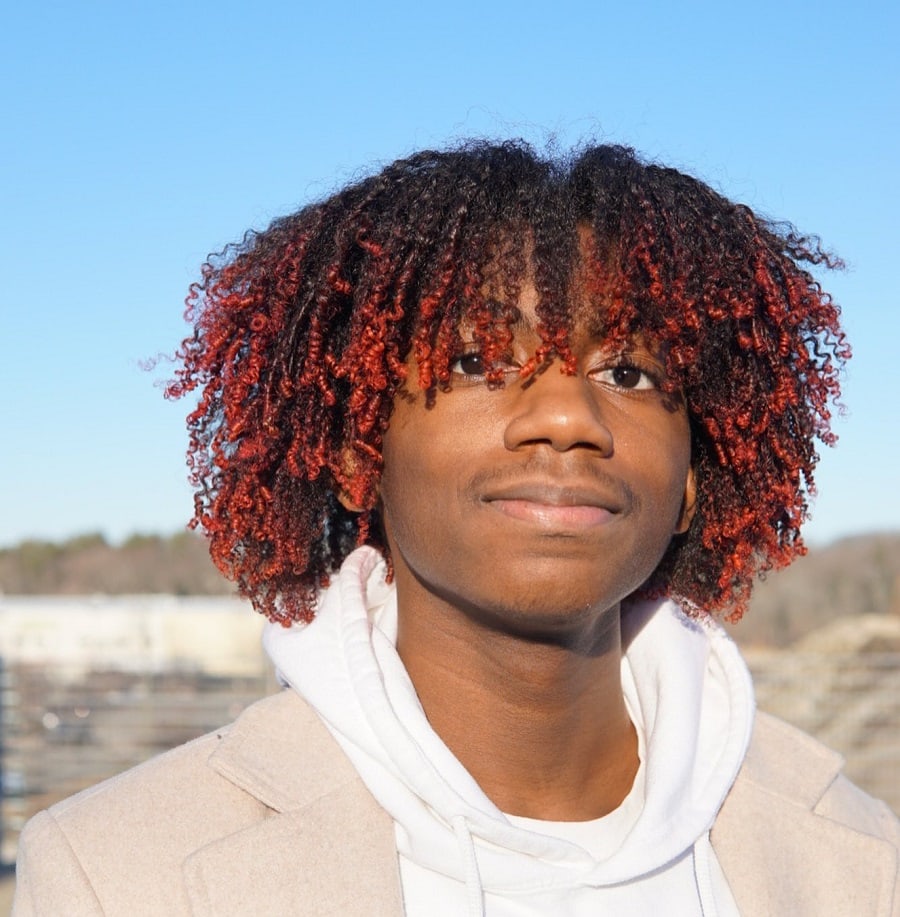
[{"x": 268, "y": 817}]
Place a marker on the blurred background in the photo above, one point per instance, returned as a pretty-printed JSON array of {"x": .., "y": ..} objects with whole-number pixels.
[{"x": 139, "y": 137}]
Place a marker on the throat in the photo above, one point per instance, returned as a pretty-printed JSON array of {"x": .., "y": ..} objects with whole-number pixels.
[
  {"x": 544, "y": 730},
  {"x": 573, "y": 781}
]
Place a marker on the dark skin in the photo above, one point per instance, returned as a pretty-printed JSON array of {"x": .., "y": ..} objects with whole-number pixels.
[
  {"x": 518, "y": 519},
  {"x": 522, "y": 716}
]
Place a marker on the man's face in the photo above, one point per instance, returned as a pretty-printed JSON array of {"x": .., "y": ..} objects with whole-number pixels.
[{"x": 538, "y": 505}]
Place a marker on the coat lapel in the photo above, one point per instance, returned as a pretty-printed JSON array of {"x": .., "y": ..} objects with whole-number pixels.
[
  {"x": 324, "y": 848},
  {"x": 327, "y": 848},
  {"x": 781, "y": 853}
]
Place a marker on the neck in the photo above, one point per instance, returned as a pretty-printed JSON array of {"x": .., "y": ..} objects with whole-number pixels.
[{"x": 540, "y": 724}]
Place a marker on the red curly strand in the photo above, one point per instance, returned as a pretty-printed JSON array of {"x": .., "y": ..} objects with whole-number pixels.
[{"x": 302, "y": 333}]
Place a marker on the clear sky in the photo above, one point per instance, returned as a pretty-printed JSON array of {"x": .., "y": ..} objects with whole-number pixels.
[{"x": 136, "y": 137}]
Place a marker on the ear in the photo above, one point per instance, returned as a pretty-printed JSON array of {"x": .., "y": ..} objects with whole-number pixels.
[
  {"x": 688, "y": 504},
  {"x": 345, "y": 479},
  {"x": 348, "y": 502}
]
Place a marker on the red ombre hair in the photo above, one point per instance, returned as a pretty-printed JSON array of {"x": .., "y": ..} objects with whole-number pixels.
[{"x": 303, "y": 331}]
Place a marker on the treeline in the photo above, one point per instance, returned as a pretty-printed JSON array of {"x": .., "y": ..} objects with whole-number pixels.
[
  {"x": 88, "y": 564},
  {"x": 854, "y": 576}
]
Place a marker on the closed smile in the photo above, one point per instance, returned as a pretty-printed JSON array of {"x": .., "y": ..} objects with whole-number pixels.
[{"x": 559, "y": 507}]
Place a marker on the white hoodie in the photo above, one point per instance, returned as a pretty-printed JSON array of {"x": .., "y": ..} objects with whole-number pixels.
[{"x": 691, "y": 699}]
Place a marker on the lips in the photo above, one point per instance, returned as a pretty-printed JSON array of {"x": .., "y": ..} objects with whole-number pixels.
[{"x": 566, "y": 507}]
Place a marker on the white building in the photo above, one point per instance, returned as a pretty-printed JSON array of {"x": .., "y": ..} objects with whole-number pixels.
[{"x": 216, "y": 635}]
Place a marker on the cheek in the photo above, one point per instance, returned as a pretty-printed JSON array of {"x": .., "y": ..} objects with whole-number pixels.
[
  {"x": 426, "y": 451},
  {"x": 428, "y": 520},
  {"x": 662, "y": 461},
  {"x": 418, "y": 520},
  {"x": 408, "y": 490},
  {"x": 681, "y": 492}
]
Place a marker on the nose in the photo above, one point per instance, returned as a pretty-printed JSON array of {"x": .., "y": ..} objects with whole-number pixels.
[{"x": 558, "y": 410}]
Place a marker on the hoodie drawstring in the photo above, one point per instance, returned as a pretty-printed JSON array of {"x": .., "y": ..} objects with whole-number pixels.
[
  {"x": 474, "y": 892},
  {"x": 703, "y": 875}
]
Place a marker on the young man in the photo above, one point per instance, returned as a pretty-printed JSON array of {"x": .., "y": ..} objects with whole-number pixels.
[{"x": 490, "y": 438}]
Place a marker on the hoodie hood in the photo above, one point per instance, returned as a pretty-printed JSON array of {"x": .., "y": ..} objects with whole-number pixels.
[{"x": 686, "y": 686}]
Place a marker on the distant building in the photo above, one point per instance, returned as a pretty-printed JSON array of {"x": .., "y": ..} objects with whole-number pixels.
[{"x": 213, "y": 635}]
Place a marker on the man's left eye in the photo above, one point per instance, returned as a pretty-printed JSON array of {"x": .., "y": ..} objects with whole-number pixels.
[{"x": 626, "y": 376}]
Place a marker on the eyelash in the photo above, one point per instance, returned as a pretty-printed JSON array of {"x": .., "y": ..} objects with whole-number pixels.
[
  {"x": 455, "y": 365},
  {"x": 651, "y": 376}
]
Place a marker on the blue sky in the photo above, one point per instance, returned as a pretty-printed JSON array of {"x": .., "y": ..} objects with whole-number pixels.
[{"x": 138, "y": 137}]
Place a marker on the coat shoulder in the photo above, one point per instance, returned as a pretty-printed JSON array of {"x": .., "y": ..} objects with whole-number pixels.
[
  {"x": 126, "y": 838},
  {"x": 787, "y": 762},
  {"x": 796, "y": 836}
]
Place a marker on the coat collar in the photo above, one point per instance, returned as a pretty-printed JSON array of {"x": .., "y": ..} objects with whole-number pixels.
[
  {"x": 325, "y": 849},
  {"x": 328, "y": 849},
  {"x": 258, "y": 749},
  {"x": 791, "y": 836}
]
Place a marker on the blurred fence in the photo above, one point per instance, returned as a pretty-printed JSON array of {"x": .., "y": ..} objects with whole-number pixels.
[
  {"x": 65, "y": 730},
  {"x": 59, "y": 736},
  {"x": 92, "y": 685}
]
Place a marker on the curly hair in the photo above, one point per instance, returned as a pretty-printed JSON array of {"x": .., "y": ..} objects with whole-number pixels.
[{"x": 302, "y": 335}]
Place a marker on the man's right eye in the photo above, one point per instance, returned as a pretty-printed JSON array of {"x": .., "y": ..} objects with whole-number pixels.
[{"x": 468, "y": 364}]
